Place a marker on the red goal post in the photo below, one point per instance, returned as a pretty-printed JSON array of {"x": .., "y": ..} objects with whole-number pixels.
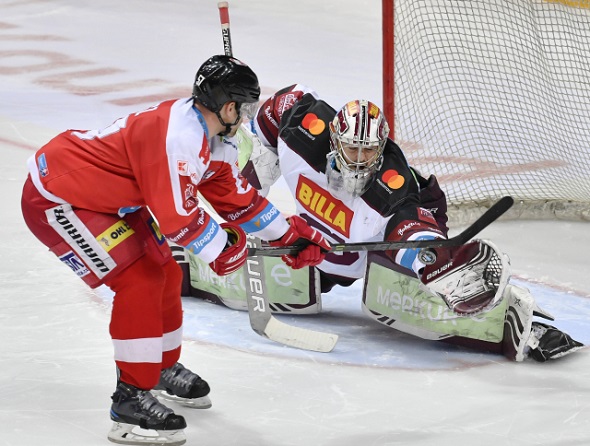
[{"x": 493, "y": 96}]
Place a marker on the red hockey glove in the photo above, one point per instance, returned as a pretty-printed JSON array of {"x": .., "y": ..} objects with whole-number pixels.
[
  {"x": 234, "y": 254},
  {"x": 300, "y": 233}
]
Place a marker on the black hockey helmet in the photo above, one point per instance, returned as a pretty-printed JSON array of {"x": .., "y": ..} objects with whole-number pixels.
[{"x": 224, "y": 79}]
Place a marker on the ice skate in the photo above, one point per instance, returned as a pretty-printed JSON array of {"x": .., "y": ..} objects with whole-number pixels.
[
  {"x": 182, "y": 386},
  {"x": 140, "y": 419},
  {"x": 547, "y": 342}
]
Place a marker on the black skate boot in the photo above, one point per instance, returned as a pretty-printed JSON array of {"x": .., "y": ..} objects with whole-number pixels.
[
  {"x": 135, "y": 408},
  {"x": 547, "y": 342},
  {"x": 182, "y": 386}
]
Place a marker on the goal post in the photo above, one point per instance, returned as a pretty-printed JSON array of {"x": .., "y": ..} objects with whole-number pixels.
[{"x": 493, "y": 97}]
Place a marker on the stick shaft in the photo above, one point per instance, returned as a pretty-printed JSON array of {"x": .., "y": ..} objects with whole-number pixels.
[
  {"x": 225, "y": 30},
  {"x": 497, "y": 209}
]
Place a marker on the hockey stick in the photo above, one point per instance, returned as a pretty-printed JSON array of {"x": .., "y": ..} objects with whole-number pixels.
[
  {"x": 225, "y": 34},
  {"x": 493, "y": 213},
  {"x": 265, "y": 324},
  {"x": 261, "y": 319}
]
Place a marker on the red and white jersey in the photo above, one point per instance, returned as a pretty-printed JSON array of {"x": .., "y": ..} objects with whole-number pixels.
[{"x": 159, "y": 158}]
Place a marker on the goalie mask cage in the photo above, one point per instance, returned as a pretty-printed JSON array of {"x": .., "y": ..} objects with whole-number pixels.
[{"x": 493, "y": 97}]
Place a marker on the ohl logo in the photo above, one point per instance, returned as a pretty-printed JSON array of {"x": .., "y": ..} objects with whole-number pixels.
[
  {"x": 312, "y": 123},
  {"x": 393, "y": 179}
]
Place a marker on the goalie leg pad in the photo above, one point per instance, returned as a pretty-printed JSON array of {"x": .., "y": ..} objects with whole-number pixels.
[
  {"x": 518, "y": 322},
  {"x": 289, "y": 291}
]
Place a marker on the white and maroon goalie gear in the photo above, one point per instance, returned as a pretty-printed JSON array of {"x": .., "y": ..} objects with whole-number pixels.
[
  {"x": 470, "y": 279},
  {"x": 261, "y": 163}
]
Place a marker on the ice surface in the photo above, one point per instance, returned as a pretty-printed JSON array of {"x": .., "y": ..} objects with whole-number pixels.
[{"x": 83, "y": 64}]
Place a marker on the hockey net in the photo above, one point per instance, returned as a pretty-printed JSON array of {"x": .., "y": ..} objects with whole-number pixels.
[{"x": 493, "y": 96}]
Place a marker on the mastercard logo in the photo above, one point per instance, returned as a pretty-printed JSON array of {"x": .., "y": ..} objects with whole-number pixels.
[
  {"x": 393, "y": 179},
  {"x": 312, "y": 123}
]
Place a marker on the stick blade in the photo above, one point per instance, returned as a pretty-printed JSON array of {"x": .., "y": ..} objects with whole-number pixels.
[{"x": 298, "y": 337}]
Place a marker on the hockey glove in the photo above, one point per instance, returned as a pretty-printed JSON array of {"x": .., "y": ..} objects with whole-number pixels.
[
  {"x": 314, "y": 246},
  {"x": 470, "y": 278},
  {"x": 234, "y": 254}
]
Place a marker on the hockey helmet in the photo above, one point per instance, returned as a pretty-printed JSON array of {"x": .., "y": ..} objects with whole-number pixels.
[
  {"x": 224, "y": 79},
  {"x": 358, "y": 134}
]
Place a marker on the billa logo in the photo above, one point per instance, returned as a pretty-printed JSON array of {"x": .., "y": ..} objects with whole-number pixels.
[
  {"x": 393, "y": 179},
  {"x": 312, "y": 123},
  {"x": 322, "y": 205}
]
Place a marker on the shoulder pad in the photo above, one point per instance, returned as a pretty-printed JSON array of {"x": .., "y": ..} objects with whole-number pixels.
[
  {"x": 304, "y": 129},
  {"x": 394, "y": 184}
]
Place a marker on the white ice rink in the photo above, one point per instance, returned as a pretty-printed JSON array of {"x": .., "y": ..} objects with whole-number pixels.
[{"x": 82, "y": 64}]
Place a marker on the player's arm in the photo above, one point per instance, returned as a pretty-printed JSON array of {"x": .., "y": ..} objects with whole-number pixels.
[{"x": 243, "y": 207}]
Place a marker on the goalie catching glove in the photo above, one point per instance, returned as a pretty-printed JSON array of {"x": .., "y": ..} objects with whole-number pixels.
[
  {"x": 470, "y": 278},
  {"x": 234, "y": 254},
  {"x": 314, "y": 246}
]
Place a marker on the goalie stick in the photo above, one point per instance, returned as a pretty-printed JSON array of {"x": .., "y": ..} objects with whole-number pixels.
[
  {"x": 261, "y": 319},
  {"x": 492, "y": 214}
]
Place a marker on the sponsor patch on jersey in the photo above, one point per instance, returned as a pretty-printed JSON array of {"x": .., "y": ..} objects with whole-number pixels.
[
  {"x": 426, "y": 215},
  {"x": 114, "y": 235},
  {"x": 42, "y": 165},
  {"x": 322, "y": 205},
  {"x": 408, "y": 227},
  {"x": 206, "y": 235},
  {"x": 285, "y": 102},
  {"x": 393, "y": 179},
  {"x": 313, "y": 124},
  {"x": 182, "y": 168},
  {"x": 74, "y": 262},
  {"x": 261, "y": 220}
]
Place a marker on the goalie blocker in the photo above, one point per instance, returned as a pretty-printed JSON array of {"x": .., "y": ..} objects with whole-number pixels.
[{"x": 498, "y": 318}]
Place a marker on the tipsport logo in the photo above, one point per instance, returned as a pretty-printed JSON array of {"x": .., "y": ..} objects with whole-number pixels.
[
  {"x": 393, "y": 179},
  {"x": 313, "y": 124}
]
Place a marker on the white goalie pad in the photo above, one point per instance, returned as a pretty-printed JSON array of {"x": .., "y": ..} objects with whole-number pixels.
[
  {"x": 259, "y": 164},
  {"x": 471, "y": 278},
  {"x": 394, "y": 297}
]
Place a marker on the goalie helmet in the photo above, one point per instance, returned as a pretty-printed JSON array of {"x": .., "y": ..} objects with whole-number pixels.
[
  {"x": 224, "y": 79},
  {"x": 358, "y": 134}
]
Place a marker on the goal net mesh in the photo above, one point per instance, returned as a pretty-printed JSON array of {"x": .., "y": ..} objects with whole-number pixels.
[{"x": 493, "y": 97}]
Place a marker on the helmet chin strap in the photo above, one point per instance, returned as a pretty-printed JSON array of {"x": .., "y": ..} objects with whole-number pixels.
[{"x": 227, "y": 125}]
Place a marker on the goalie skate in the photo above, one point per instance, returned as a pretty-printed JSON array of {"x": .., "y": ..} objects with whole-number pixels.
[
  {"x": 180, "y": 385},
  {"x": 547, "y": 342},
  {"x": 140, "y": 419}
]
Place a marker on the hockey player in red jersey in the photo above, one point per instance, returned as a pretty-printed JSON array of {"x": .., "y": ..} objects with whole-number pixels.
[
  {"x": 105, "y": 202},
  {"x": 353, "y": 184}
]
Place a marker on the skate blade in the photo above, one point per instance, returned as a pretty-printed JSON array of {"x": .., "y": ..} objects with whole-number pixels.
[
  {"x": 122, "y": 433},
  {"x": 194, "y": 403}
]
